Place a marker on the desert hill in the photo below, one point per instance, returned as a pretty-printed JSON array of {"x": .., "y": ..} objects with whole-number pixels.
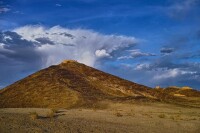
[
  {"x": 66, "y": 85},
  {"x": 72, "y": 84}
]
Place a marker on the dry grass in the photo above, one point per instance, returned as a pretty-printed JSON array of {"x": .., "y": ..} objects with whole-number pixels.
[
  {"x": 112, "y": 120},
  {"x": 161, "y": 115},
  {"x": 131, "y": 113},
  {"x": 118, "y": 114},
  {"x": 147, "y": 114},
  {"x": 34, "y": 115},
  {"x": 98, "y": 106}
]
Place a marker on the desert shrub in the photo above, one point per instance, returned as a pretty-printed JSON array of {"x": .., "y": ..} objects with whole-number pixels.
[
  {"x": 194, "y": 118},
  {"x": 54, "y": 110},
  {"x": 176, "y": 117},
  {"x": 51, "y": 113},
  {"x": 131, "y": 114},
  {"x": 162, "y": 115},
  {"x": 33, "y": 115},
  {"x": 94, "y": 109},
  {"x": 118, "y": 114},
  {"x": 172, "y": 117}
]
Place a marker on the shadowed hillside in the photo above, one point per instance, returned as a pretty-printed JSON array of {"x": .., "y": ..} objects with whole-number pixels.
[{"x": 72, "y": 84}]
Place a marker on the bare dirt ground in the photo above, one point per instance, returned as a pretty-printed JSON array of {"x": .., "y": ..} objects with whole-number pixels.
[{"x": 118, "y": 118}]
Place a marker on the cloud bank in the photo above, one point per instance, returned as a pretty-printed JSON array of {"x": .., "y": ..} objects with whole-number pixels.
[{"x": 30, "y": 48}]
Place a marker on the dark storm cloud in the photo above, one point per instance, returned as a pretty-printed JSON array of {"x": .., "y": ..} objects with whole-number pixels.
[
  {"x": 17, "y": 57},
  {"x": 17, "y": 48},
  {"x": 12, "y": 40},
  {"x": 136, "y": 53},
  {"x": 69, "y": 44},
  {"x": 167, "y": 50},
  {"x": 64, "y": 34},
  {"x": 67, "y": 35},
  {"x": 44, "y": 40}
]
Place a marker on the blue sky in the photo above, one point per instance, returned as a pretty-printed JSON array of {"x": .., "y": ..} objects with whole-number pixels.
[{"x": 149, "y": 42}]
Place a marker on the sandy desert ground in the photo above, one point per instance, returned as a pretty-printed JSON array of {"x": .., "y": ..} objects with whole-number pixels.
[{"x": 118, "y": 118}]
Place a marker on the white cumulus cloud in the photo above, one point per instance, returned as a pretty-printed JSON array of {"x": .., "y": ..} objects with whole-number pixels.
[
  {"x": 58, "y": 5},
  {"x": 172, "y": 73},
  {"x": 86, "y": 46},
  {"x": 102, "y": 53}
]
